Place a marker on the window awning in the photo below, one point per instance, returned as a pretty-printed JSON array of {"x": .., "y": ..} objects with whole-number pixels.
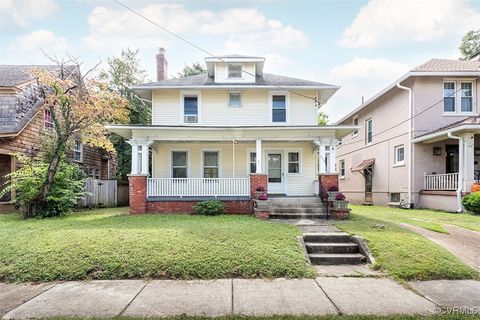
[{"x": 363, "y": 165}]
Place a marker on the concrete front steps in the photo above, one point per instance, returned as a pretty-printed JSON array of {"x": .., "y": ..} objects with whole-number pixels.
[
  {"x": 297, "y": 208},
  {"x": 332, "y": 248}
]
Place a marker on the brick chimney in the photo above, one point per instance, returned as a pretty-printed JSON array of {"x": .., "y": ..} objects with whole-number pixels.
[{"x": 162, "y": 65}]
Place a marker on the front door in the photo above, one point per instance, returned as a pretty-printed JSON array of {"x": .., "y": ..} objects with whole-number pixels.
[
  {"x": 451, "y": 165},
  {"x": 5, "y": 169},
  {"x": 275, "y": 172},
  {"x": 368, "y": 174}
]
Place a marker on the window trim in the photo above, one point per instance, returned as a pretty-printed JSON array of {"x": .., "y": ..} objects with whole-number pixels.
[
  {"x": 190, "y": 93},
  {"x": 75, "y": 150},
  {"x": 397, "y": 163},
  {"x": 45, "y": 122},
  {"x": 458, "y": 97},
  {"x": 340, "y": 168},
  {"x": 355, "y": 132},
  {"x": 240, "y": 98},
  {"x": 300, "y": 161},
  {"x": 202, "y": 162},
  {"x": 171, "y": 162},
  {"x": 228, "y": 65},
  {"x": 366, "y": 131},
  {"x": 249, "y": 162},
  {"x": 287, "y": 106}
]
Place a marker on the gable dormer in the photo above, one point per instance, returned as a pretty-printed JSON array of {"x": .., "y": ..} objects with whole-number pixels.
[{"x": 235, "y": 68}]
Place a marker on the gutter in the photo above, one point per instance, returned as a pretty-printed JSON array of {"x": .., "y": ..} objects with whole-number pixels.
[
  {"x": 460, "y": 170},
  {"x": 410, "y": 149},
  {"x": 446, "y": 132}
]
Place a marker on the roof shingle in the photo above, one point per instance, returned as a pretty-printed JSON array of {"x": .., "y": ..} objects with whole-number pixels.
[{"x": 447, "y": 65}]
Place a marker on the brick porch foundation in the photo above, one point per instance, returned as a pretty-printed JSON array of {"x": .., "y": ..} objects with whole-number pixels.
[
  {"x": 231, "y": 206},
  {"x": 328, "y": 180}
]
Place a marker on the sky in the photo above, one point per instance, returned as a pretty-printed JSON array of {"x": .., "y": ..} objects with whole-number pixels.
[{"x": 361, "y": 45}]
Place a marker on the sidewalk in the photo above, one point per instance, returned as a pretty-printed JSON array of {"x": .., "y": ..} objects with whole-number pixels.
[{"x": 253, "y": 297}]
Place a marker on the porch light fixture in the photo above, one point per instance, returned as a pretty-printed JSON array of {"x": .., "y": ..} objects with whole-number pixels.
[{"x": 437, "y": 151}]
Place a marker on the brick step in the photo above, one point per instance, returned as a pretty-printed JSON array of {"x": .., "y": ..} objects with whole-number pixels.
[
  {"x": 330, "y": 237},
  {"x": 293, "y": 215},
  {"x": 325, "y": 247},
  {"x": 298, "y": 210},
  {"x": 287, "y": 200},
  {"x": 333, "y": 259}
]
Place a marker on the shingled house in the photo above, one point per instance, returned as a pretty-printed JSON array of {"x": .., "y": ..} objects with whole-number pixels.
[{"x": 22, "y": 122}]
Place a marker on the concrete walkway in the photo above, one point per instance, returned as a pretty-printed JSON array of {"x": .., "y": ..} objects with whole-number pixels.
[
  {"x": 255, "y": 297},
  {"x": 463, "y": 243}
]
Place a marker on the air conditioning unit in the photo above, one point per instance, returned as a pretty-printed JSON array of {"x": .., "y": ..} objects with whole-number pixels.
[{"x": 190, "y": 118}]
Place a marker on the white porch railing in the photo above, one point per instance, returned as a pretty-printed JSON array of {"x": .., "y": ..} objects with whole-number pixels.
[
  {"x": 444, "y": 181},
  {"x": 197, "y": 187}
]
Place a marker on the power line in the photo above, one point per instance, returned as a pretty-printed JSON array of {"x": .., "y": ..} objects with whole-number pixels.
[
  {"x": 412, "y": 117},
  {"x": 317, "y": 103}
]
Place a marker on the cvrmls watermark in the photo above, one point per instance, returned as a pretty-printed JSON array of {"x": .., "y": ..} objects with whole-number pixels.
[{"x": 458, "y": 310}]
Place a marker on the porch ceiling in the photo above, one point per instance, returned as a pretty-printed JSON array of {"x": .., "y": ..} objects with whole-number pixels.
[
  {"x": 442, "y": 135},
  {"x": 239, "y": 133}
]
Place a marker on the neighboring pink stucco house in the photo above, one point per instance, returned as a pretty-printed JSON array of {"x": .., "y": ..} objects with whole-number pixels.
[{"x": 419, "y": 143}]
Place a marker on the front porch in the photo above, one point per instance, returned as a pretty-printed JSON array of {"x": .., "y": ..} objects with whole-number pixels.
[{"x": 174, "y": 168}]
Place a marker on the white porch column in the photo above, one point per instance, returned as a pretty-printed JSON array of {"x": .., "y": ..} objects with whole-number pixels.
[
  {"x": 332, "y": 159},
  {"x": 258, "y": 155},
  {"x": 134, "y": 156},
  {"x": 145, "y": 144},
  {"x": 321, "y": 157},
  {"x": 468, "y": 160}
]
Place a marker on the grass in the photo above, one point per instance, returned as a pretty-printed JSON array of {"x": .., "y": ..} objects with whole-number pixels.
[
  {"x": 109, "y": 244},
  {"x": 428, "y": 219},
  {"x": 401, "y": 253}
]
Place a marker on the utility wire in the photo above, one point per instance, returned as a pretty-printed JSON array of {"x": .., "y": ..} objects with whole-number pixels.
[
  {"x": 317, "y": 103},
  {"x": 412, "y": 117}
]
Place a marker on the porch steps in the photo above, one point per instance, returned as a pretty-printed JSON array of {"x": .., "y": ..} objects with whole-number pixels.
[
  {"x": 297, "y": 208},
  {"x": 331, "y": 248}
]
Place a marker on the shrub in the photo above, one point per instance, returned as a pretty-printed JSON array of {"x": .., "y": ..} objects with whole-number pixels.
[
  {"x": 340, "y": 197},
  {"x": 332, "y": 188},
  {"x": 67, "y": 188},
  {"x": 210, "y": 208},
  {"x": 263, "y": 196},
  {"x": 471, "y": 202}
]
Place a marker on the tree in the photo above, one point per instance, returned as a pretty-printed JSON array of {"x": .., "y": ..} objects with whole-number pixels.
[
  {"x": 470, "y": 45},
  {"x": 122, "y": 73},
  {"x": 322, "y": 118},
  {"x": 80, "y": 108},
  {"x": 192, "y": 70}
]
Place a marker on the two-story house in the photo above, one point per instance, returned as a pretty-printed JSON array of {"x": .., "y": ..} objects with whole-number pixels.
[
  {"x": 418, "y": 145},
  {"x": 223, "y": 133},
  {"x": 23, "y": 122}
]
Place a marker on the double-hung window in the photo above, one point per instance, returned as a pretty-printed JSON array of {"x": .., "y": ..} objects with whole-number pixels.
[
  {"x": 368, "y": 131},
  {"x": 190, "y": 108},
  {"x": 210, "y": 164},
  {"x": 179, "y": 164},
  {"x": 449, "y": 96},
  {"x": 253, "y": 162},
  {"x": 341, "y": 169},
  {"x": 78, "y": 151},
  {"x": 234, "y": 71},
  {"x": 279, "y": 108},
  {"x": 47, "y": 119},
  {"x": 399, "y": 155},
  {"x": 355, "y": 123},
  {"x": 466, "y": 96},
  {"x": 234, "y": 100},
  {"x": 293, "y": 162}
]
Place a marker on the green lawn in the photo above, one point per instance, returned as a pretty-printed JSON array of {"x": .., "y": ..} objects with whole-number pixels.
[
  {"x": 109, "y": 244},
  {"x": 402, "y": 253}
]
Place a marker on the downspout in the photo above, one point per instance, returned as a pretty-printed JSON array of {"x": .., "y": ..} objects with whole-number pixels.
[
  {"x": 410, "y": 149},
  {"x": 460, "y": 170}
]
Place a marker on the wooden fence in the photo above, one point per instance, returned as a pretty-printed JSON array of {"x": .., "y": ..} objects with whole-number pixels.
[{"x": 100, "y": 193}]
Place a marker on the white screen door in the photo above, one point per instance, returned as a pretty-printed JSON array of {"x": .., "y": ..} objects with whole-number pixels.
[{"x": 275, "y": 172}]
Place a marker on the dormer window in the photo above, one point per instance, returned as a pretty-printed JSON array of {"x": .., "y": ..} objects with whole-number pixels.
[{"x": 234, "y": 71}]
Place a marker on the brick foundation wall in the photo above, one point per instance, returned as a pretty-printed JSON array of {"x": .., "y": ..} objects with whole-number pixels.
[
  {"x": 137, "y": 192},
  {"x": 258, "y": 180},
  {"x": 328, "y": 180},
  {"x": 231, "y": 207}
]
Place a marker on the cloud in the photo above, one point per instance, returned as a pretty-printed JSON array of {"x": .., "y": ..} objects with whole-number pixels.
[
  {"x": 360, "y": 77},
  {"x": 22, "y": 12},
  {"x": 393, "y": 22},
  {"x": 24, "y": 47}
]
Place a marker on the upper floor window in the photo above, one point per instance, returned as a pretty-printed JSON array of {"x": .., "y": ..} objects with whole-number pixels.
[
  {"x": 253, "y": 162},
  {"x": 190, "y": 109},
  {"x": 234, "y": 71},
  {"x": 279, "y": 108},
  {"x": 368, "y": 131},
  {"x": 341, "y": 168},
  {"x": 78, "y": 151},
  {"x": 355, "y": 123},
  {"x": 234, "y": 100},
  {"x": 47, "y": 119},
  {"x": 449, "y": 96},
  {"x": 179, "y": 164},
  {"x": 466, "y": 96},
  {"x": 210, "y": 164},
  {"x": 399, "y": 155}
]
